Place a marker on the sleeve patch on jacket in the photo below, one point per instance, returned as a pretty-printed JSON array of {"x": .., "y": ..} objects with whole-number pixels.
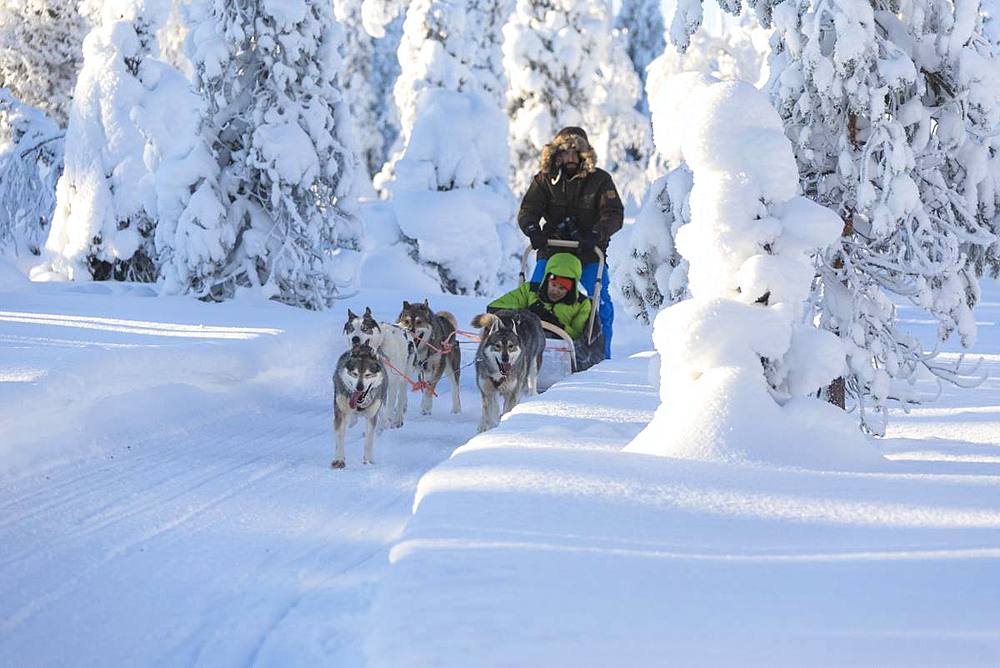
[{"x": 612, "y": 194}]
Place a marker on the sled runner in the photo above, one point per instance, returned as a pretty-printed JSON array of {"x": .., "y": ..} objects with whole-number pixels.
[{"x": 563, "y": 355}]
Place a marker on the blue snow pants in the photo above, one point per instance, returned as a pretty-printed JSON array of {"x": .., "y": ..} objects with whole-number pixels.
[{"x": 606, "y": 311}]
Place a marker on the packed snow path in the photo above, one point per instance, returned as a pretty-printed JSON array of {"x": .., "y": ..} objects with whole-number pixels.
[
  {"x": 165, "y": 498},
  {"x": 192, "y": 519}
]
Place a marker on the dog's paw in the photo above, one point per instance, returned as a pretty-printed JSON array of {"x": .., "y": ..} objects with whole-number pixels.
[
  {"x": 337, "y": 464},
  {"x": 481, "y": 428},
  {"x": 367, "y": 461},
  {"x": 425, "y": 411}
]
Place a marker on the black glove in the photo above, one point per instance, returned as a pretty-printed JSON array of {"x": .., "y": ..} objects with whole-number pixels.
[
  {"x": 589, "y": 240},
  {"x": 543, "y": 313},
  {"x": 538, "y": 239}
]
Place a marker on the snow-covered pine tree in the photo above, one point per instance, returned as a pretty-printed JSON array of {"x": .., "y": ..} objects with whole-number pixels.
[
  {"x": 738, "y": 53},
  {"x": 740, "y": 363},
  {"x": 567, "y": 68},
  {"x": 376, "y": 15},
  {"x": 878, "y": 108},
  {"x": 889, "y": 116},
  {"x": 383, "y": 22},
  {"x": 647, "y": 272},
  {"x": 171, "y": 38},
  {"x": 550, "y": 54},
  {"x": 281, "y": 134},
  {"x": 361, "y": 81},
  {"x": 620, "y": 133},
  {"x": 448, "y": 184},
  {"x": 41, "y": 53},
  {"x": 193, "y": 237},
  {"x": 106, "y": 198},
  {"x": 449, "y": 45},
  {"x": 640, "y": 23},
  {"x": 31, "y": 159}
]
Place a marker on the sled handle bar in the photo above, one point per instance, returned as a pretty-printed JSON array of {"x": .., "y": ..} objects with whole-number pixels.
[
  {"x": 595, "y": 299},
  {"x": 567, "y": 339}
]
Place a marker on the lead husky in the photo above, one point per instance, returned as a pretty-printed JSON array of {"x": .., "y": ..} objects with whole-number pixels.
[
  {"x": 507, "y": 362},
  {"x": 435, "y": 350},
  {"x": 396, "y": 349},
  {"x": 359, "y": 388}
]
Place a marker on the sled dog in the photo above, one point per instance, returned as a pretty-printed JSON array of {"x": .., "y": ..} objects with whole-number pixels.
[
  {"x": 507, "y": 361},
  {"x": 359, "y": 388},
  {"x": 435, "y": 350},
  {"x": 395, "y": 348}
]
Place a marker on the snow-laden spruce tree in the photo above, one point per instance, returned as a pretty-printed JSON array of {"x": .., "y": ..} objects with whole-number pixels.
[
  {"x": 361, "y": 80},
  {"x": 647, "y": 271},
  {"x": 31, "y": 159},
  {"x": 453, "y": 208},
  {"x": 640, "y": 24},
  {"x": 105, "y": 213},
  {"x": 193, "y": 237},
  {"x": 567, "y": 68},
  {"x": 891, "y": 114},
  {"x": 41, "y": 53},
  {"x": 548, "y": 55},
  {"x": 620, "y": 133},
  {"x": 738, "y": 53},
  {"x": 383, "y": 22},
  {"x": 893, "y": 118},
  {"x": 172, "y": 36},
  {"x": 739, "y": 364},
  {"x": 280, "y": 131}
]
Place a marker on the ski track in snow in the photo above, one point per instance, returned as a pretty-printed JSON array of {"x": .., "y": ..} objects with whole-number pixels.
[
  {"x": 215, "y": 539},
  {"x": 196, "y": 521}
]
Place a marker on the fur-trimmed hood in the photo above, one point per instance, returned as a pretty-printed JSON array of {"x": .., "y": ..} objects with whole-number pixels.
[{"x": 570, "y": 138}]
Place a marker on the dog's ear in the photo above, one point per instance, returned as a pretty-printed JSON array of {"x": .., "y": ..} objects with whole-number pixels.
[
  {"x": 513, "y": 326},
  {"x": 368, "y": 311},
  {"x": 426, "y": 303},
  {"x": 350, "y": 315},
  {"x": 406, "y": 304}
]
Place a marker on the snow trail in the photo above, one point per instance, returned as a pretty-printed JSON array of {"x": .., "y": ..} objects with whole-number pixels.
[{"x": 204, "y": 525}]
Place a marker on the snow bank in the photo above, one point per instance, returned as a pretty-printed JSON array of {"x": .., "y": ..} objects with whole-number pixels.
[
  {"x": 92, "y": 370},
  {"x": 10, "y": 278},
  {"x": 541, "y": 543},
  {"x": 739, "y": 370}
]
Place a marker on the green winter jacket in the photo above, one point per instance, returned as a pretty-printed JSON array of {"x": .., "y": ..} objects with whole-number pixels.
[{"x": 572, "y": 313}]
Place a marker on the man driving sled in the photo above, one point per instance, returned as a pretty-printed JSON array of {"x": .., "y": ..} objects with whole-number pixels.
[
  {"x": 556, "y": 299},
  {"x": 579, "y": 202}
]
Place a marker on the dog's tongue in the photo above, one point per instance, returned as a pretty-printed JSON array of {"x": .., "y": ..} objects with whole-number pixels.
[
  {"x": 505, "y": 368},
  {"x": 355, "y": 398}
]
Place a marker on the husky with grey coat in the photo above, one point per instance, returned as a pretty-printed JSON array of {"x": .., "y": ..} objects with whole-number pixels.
[
  {"x": 507, "y": 362},
  {"x": 435, "y": 350},
  {"x": 359, "y": 388},
  {"x": 395, "y": 348}
]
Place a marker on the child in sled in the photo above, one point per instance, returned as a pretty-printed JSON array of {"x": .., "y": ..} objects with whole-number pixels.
[{"x": 559, "y": 301}]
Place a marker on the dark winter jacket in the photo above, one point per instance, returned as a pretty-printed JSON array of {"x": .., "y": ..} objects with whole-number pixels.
[
  {"x": 571, "y": 313},
  {"x": 588, "y": 201}
]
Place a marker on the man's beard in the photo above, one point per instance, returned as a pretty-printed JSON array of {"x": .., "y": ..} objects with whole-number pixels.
[{"x": 570, "y": 168}]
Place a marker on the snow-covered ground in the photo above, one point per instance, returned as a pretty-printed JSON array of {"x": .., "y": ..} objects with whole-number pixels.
[
  {"x": 166, "y": 498},
  {"x": 542, "y": 543},
  {"x": 165, "y": 485}
]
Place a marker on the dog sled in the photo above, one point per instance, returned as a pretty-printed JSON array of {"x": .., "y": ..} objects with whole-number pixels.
[{"x": 564, "y": 356}]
